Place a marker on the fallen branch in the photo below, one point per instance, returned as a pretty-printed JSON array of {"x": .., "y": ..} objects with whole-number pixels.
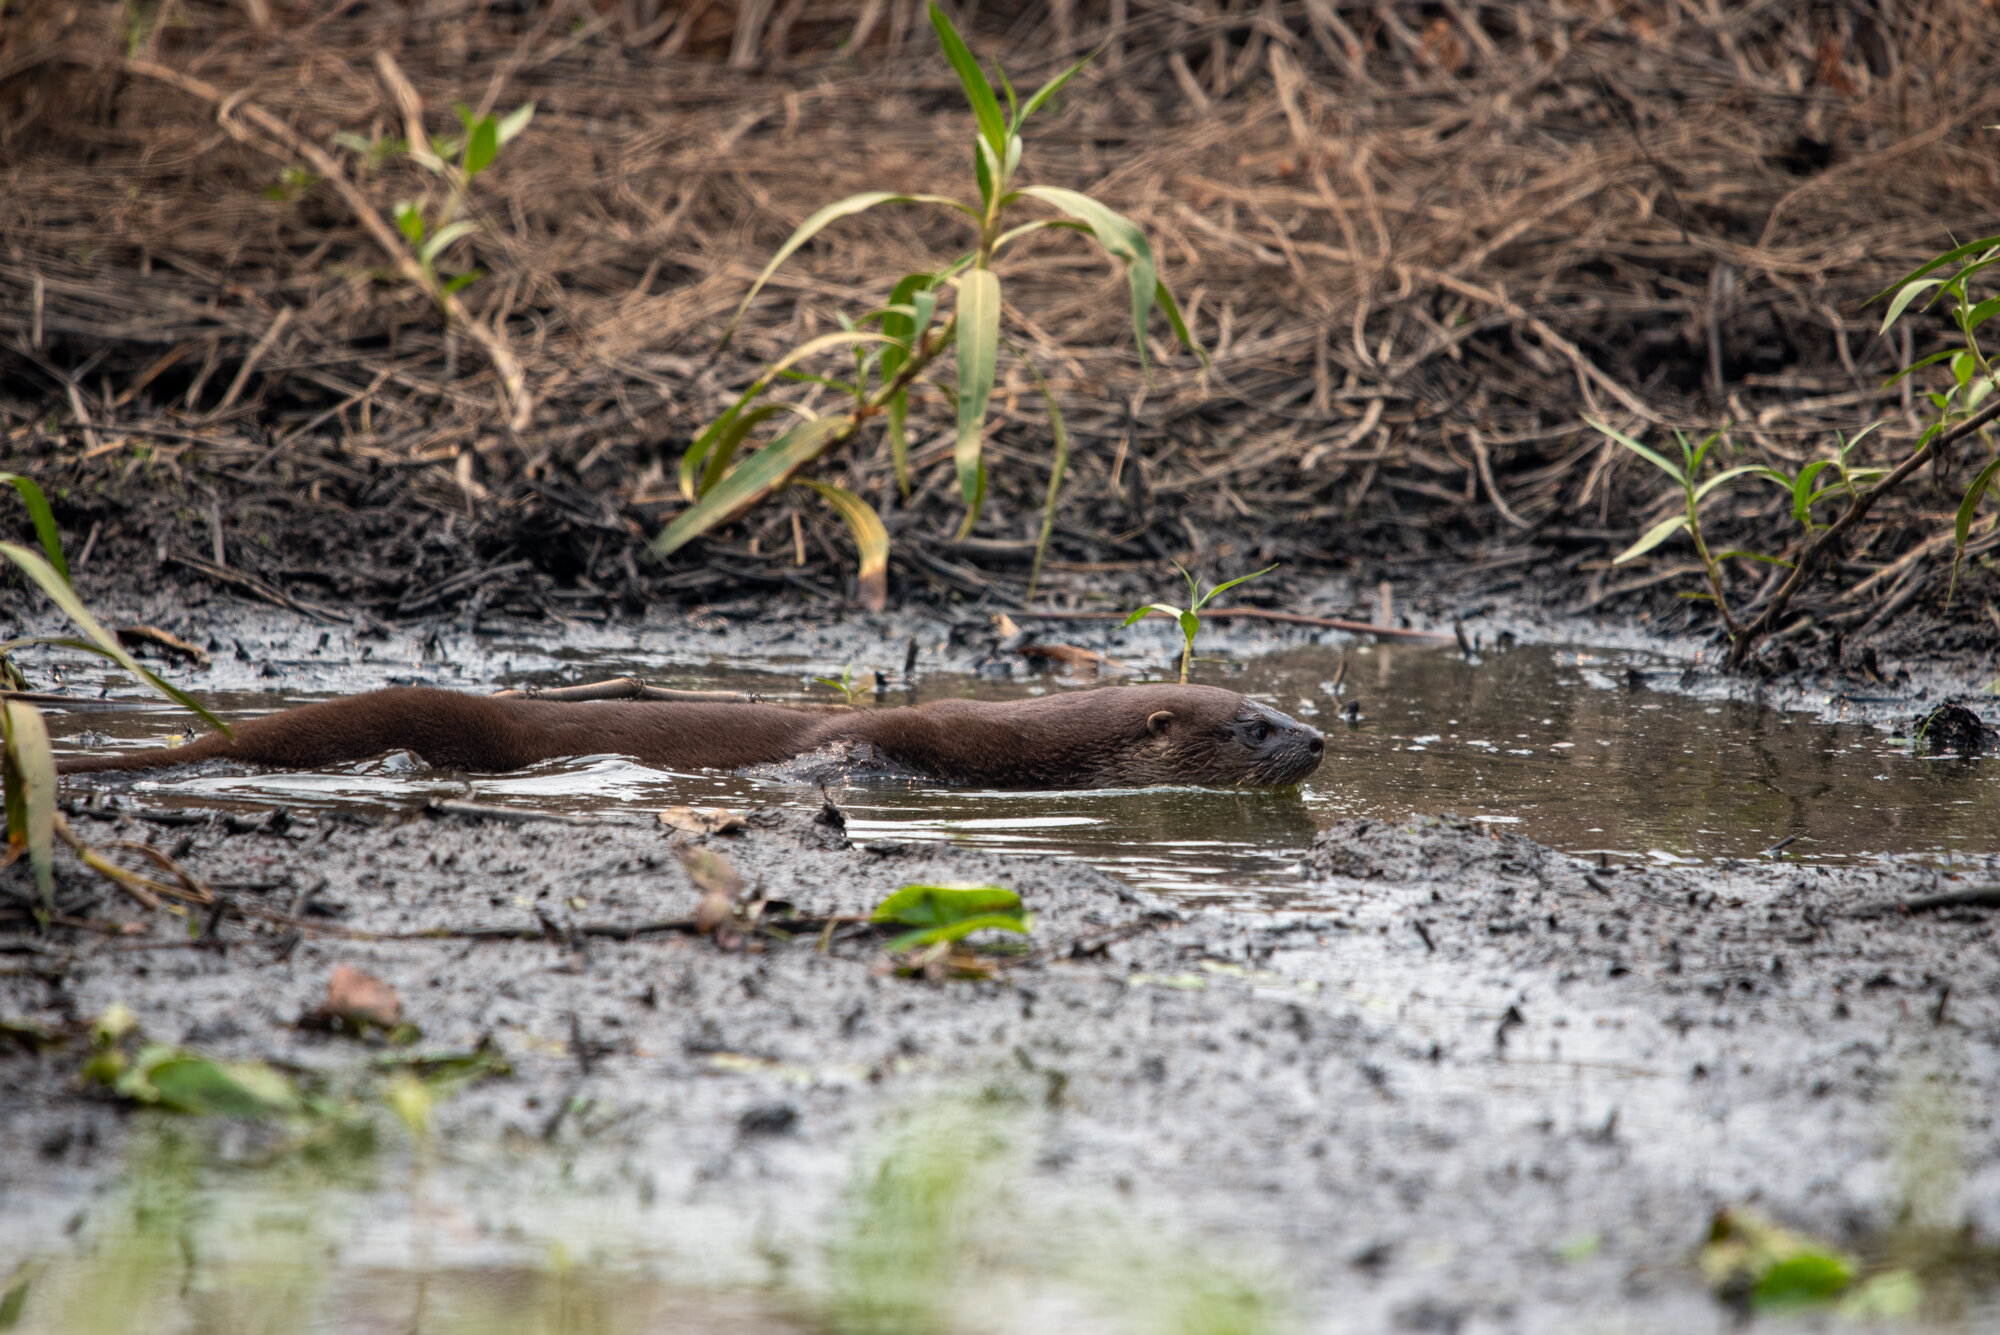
[
  {"x": 1256, "y": 614},
  {"x": 1984, "y": 897}
]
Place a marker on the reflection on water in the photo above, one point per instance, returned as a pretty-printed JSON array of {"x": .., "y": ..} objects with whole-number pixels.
[{"x": 1558, "y": 744}]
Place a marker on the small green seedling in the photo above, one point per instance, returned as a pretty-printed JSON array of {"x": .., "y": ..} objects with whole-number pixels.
[
  {"x": 1694, "y": 489},
  {"x": 845, "y": 684},
  {"x": 458, "y": 160},
  {"x": 1189, "y": 617},
  {"x": 943, "y": 913}
]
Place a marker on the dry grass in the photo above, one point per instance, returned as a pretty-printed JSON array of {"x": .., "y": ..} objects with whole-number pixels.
[{"x": 1421, "y": 241}]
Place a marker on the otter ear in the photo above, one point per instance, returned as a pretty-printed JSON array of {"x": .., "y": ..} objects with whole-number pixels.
[{"x": 1157, "y": 724}]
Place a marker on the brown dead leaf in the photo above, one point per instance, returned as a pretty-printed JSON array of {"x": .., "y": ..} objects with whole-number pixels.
[
  {"x": 356, "y": 999},
  {"x": 1071, "y": 656},
  {"x": 1004, "y": 627},
  {"x": 721, "y": 886},
  {"x": 703, "y": 820}
]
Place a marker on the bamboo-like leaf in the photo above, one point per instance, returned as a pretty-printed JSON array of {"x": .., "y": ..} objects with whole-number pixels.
[
  {"x": 844, "y": 208},
  {"x": 482, "y": 145},
  {"x": 43, "y": 518},
  {"x": 1175, "y": 322},
  {"x": 1803, "y": 494},
  {"x": 706, "y": 441},
  {"x": 101, "y": 640},
  {"x": 871, "y": 541},
  {"x": 978, "y": 92},
  {"x": 978, "y": 353},
  {"x": 1051, "y": 88},
  {"x": 1058, "y": 464},
  {"x": 515, "y": 121},
  {"x": 1119, "y": 237},
  {"x": 899, "y": 439},
  {"x": 1655, "y": 535},
  {"x": 753, "y": 481},
  {"x": 1140, "y": 615},
  {"x": 1727, "y": 475},
  {"x": 1956, "y": 253},
  {"x": 444, "y": 236},
  {"x": 30, "y": 777},
  {"x": 1208, "y": 597},
  {"x": 1908, "y": 294},
  {"x": 1961, "y": 526},
  {"x": 701, "y": 472},
  {"x": 1658, "y": 460}
]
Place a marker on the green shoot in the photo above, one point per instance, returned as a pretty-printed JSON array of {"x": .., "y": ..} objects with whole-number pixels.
[{"x": 1189, "y": 617}]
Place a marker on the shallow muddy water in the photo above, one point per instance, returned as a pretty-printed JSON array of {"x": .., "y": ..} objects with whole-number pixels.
[{"x": 1567, "y": 746}]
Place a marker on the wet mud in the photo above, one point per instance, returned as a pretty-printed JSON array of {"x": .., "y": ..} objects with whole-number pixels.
[{"x": 1424, "y": 1073}]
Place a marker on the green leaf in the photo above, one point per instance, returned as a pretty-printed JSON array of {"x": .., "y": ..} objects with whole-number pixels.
[
  {"x": 1727, "y": 475},
  {"x": 1803, "y": 495},
  {"x": 1802, "y": 1279},
  {"x": 1204, "y": 600},
  {"x": 702, "y": 470},
  {"x": 1956, "y": 253},
  {"x": 205, "y": 1087},
  {"x": 1981, "y": 313},
  {"x": 978, "y": 353},
  {"x": 1916, "y": 366},
  {"x": 899, "y": 439},
  {"x": 43, "y": 518},
  {"x": 811, "y": 347},
  {"x": 482, "y": 145},
  {"x": 428, "y": 252},
  {"x": 1140, "y": 615},
  {"x": 515, "y": 121},
  {"x": 938, "y": 905},
  {"x": 459, "y": 282},
  {"x": 1120, "y": 238},
  {"x": 1962, "y": 525},
  {"x": 818, "y": 222},
  {"x": 925, "y": 936},
  {"x": 410, "y": 221},
  {"x": 871, "y": 541},
  {"x": 1652, "y": 457},
  {"x": 102, "y": 641},
  {"x": 1051, "y": 88},
  {"x": 978, "y": 92},
  {"x": 752, "y": 481},
  {"x": 1174, "y": 321},
  {"x": 1908, "y": 294},
  {"x": 29, "y": 766},
  {"x": 1753, "y": 556},
  {"x": 1655, "y": 535}
]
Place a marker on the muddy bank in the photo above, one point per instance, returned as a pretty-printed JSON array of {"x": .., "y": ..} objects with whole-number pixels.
[{"x": 1449, "y": 1062}]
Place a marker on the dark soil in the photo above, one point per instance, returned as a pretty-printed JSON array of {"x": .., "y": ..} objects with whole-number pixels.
[{"x": 1451, "y": 1057}]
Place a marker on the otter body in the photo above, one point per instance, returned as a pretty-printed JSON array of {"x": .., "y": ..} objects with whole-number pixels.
[{"x": 1124, "y": 736}]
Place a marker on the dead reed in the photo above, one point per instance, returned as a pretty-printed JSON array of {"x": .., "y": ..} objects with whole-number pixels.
[{"x": 1421, "y": 242}]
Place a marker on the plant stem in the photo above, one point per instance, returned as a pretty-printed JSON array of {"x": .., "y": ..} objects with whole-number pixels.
[
  {"x": 1816, "y": 550},
  {"x": 1712, "y": 567}
]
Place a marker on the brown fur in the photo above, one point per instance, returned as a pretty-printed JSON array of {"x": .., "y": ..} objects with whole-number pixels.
[{"x": 1125, "y": 736}]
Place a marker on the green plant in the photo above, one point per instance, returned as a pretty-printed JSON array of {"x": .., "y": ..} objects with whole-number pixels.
[
  {"x": 1694, "y": 489},
  {"x": 1189, "y": 617},
  {"x": 844, "y": 683},
  {"x": 27, "y": 760},
  {"x": 1965, "y": 407},
  {"x": 894, "y": 346},
  {"x": 945, "y": 913},
  {"x": 457, "y": 160}
]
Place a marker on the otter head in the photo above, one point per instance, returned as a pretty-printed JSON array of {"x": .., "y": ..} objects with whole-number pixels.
[{"x": 1221, "y": 738}]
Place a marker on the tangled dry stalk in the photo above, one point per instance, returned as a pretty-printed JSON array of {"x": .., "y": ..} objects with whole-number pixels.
[{"x": 1420, "y": 242}]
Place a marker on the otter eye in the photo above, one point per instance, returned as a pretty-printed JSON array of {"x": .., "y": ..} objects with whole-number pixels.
[{"x": 1262, "y": 732}]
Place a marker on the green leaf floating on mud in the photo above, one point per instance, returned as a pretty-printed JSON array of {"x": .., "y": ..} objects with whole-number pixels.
[
  {"x": 951, "y": 913},
  {"x": 187, "y": 1082}
]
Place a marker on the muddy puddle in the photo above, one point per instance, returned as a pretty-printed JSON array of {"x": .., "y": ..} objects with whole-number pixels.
[{"x": 1572, "y": 747}]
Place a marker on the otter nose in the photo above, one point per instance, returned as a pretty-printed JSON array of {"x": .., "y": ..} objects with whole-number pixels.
[{"x": 1317, "y": 745}]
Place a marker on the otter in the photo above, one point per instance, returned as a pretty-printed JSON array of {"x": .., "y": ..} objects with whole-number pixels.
[{"x": 1117, "y": 736}]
